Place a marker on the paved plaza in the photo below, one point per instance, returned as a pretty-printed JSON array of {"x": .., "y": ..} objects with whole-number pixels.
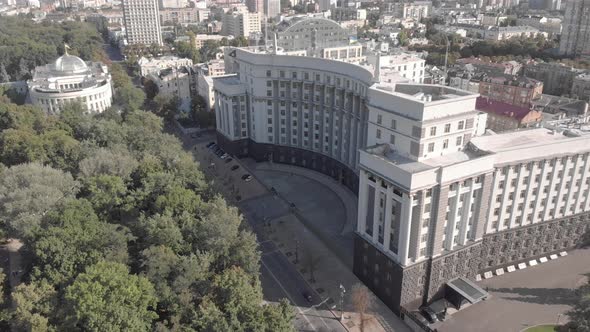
[
  {"x": 316, "y": 204},
  {"x": 537, "y": 295}
]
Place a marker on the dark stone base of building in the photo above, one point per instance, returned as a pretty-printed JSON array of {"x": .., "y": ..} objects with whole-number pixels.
[
  {"x": 292, "y": 156},
  {"x": 423, "y": 282}
]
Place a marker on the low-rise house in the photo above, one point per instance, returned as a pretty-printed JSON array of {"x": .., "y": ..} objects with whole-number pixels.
[{"x": 505, "y": 117}]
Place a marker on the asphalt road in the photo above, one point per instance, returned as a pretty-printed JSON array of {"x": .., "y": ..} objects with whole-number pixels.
[{"x": 113, "y": 52}]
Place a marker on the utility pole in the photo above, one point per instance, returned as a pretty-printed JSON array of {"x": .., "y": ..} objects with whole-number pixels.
[
  {"x": 446, "y": 54},
  {"x": 342, "y": 291}
]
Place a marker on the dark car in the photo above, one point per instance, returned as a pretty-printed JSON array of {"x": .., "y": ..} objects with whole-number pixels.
[
  {"x": 228, "y": 160},
  {"x": 247, "y": 177},
  {"x": 429, "y": 314},
  {"x": 234, "y": 167},
  {"x": 307, "y": 296},
  {"x": 210, "y": 144}
]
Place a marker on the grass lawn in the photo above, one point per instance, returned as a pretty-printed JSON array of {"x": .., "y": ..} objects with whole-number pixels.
[{"x": 541, "y": 328}]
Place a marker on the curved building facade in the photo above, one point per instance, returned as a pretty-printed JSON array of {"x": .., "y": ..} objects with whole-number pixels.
[
  {"x": 71, "y": 79},
  {"x": 437, "y": 199},
  {"x": 304, "y": 111}
]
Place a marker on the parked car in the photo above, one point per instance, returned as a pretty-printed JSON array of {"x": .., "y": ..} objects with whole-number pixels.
[
  {"x": 228, "y": 160},
  {"x": 247, "y": 177},
  {"x": 224, "y": 155},
  {"x": 210, "y": 144},
  {"x": 429, "y": 314},
  {"x": 234, "y": 167},
  {"x": 307, "y": 296}
]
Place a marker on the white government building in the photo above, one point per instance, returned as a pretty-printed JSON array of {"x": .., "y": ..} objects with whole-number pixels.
[
  {"x": 71, "y": 79},
  {"x": 439, "y": 198}
]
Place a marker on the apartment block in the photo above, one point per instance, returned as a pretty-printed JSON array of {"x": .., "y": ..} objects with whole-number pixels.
[{"x": 142, "y": 22}]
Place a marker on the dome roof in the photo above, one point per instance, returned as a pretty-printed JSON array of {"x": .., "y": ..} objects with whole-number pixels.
[{"x": 69, "y": 64}]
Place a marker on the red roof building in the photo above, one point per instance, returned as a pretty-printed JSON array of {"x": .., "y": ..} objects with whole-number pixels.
[{"x": 503, "y": 116}]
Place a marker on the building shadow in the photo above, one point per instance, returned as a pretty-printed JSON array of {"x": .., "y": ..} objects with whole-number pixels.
[{"x": 563, "y": 296}]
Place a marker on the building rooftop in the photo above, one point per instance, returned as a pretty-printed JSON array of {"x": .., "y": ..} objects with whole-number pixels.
[
  {"x": 426, "y": 92},
  {"x": 553, "y": 104},
  {"x": 499, "y": 108},
  {"x": 532, "y": 144}
]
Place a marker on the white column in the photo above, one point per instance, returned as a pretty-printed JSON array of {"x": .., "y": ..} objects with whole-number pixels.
[
  {"x": 376, "y": 210},
  {"x": 387, "y": 223},
  {"x": 544, "y": 166},
  {"x": 467, "y": 214},
  {"x": 583, "y": 178},
  {"x": 404, "y": 229},
  {"x": 362, "y": 208}
]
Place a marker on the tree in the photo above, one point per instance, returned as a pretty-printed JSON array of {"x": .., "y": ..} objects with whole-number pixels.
[
  {"x": 23, "y": 70},
  {"x": 108, "y": 162},
  {"x": 4, "y": 77},
  {"x": 150, "y": 88},
  {"x": 32, "y": 306},
  {"x": 201, "y": 114},
  {"x": 232, "y": 304},
  {"x": 362, "y": 302},
  {"x": 73, "y": 239},
  {"x": 311, "y": 261},
  {"x": 166, "y": 106},
  {"x": 28, "y": 192},
  {"x": 106, "y": 193},
  {"x": 107, "y": 298},
  {"x": 402, "y": 38},
  {"x": 580, "y": 313},
  {"x": 129, "y": 97}
]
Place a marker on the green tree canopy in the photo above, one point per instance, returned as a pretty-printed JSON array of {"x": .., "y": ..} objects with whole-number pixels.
[{"x": 107, "y": 298}]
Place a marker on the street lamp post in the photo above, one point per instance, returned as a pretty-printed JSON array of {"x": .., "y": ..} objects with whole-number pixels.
[{"x": 342, "y": 291}]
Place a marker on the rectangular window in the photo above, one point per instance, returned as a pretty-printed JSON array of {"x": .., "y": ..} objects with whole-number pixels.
[
  {"x": 393, "y": 124},
  {"x": 378, "y": 133},
  {"x": 432, "y": 131},
  {"x": 448, "y": 128},
  {"x": 379, "y": 119},
  {"x": 445, "y": 144},
  {"x": 459, "y": 140},
  {"x": 461, "y": 125},
  {"x": 392, "y": 139},
  {"x": 431, "y": 147}
]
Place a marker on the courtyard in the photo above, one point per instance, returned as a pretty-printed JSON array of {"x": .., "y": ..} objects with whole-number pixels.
[{"x": 537, "y": 295}]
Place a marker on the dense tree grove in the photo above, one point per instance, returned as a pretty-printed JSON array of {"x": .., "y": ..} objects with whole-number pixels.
[
  {"x": 122, "y": 230},
  {"x": 25, "y": 44},
  {"x": 580, "y": 313}
]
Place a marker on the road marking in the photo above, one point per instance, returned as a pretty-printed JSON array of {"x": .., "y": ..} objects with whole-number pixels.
[
  {"x": 317, "y": 305},
  {"x": 287, "y": 293}
]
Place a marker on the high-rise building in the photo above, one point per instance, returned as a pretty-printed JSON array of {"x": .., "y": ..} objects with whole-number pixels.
[
  {"x": 575, "y": 34},
  {"x": 437, "y": 200},
  {"x": 142, "y": 22},
  {"x": 272, "y": 8},
  {"x": 255, "y": 6},
  {"x": 240, "y": 23}
]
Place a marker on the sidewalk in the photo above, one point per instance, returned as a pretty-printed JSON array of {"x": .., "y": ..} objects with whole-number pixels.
[{"x": 329, "y": 273}]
